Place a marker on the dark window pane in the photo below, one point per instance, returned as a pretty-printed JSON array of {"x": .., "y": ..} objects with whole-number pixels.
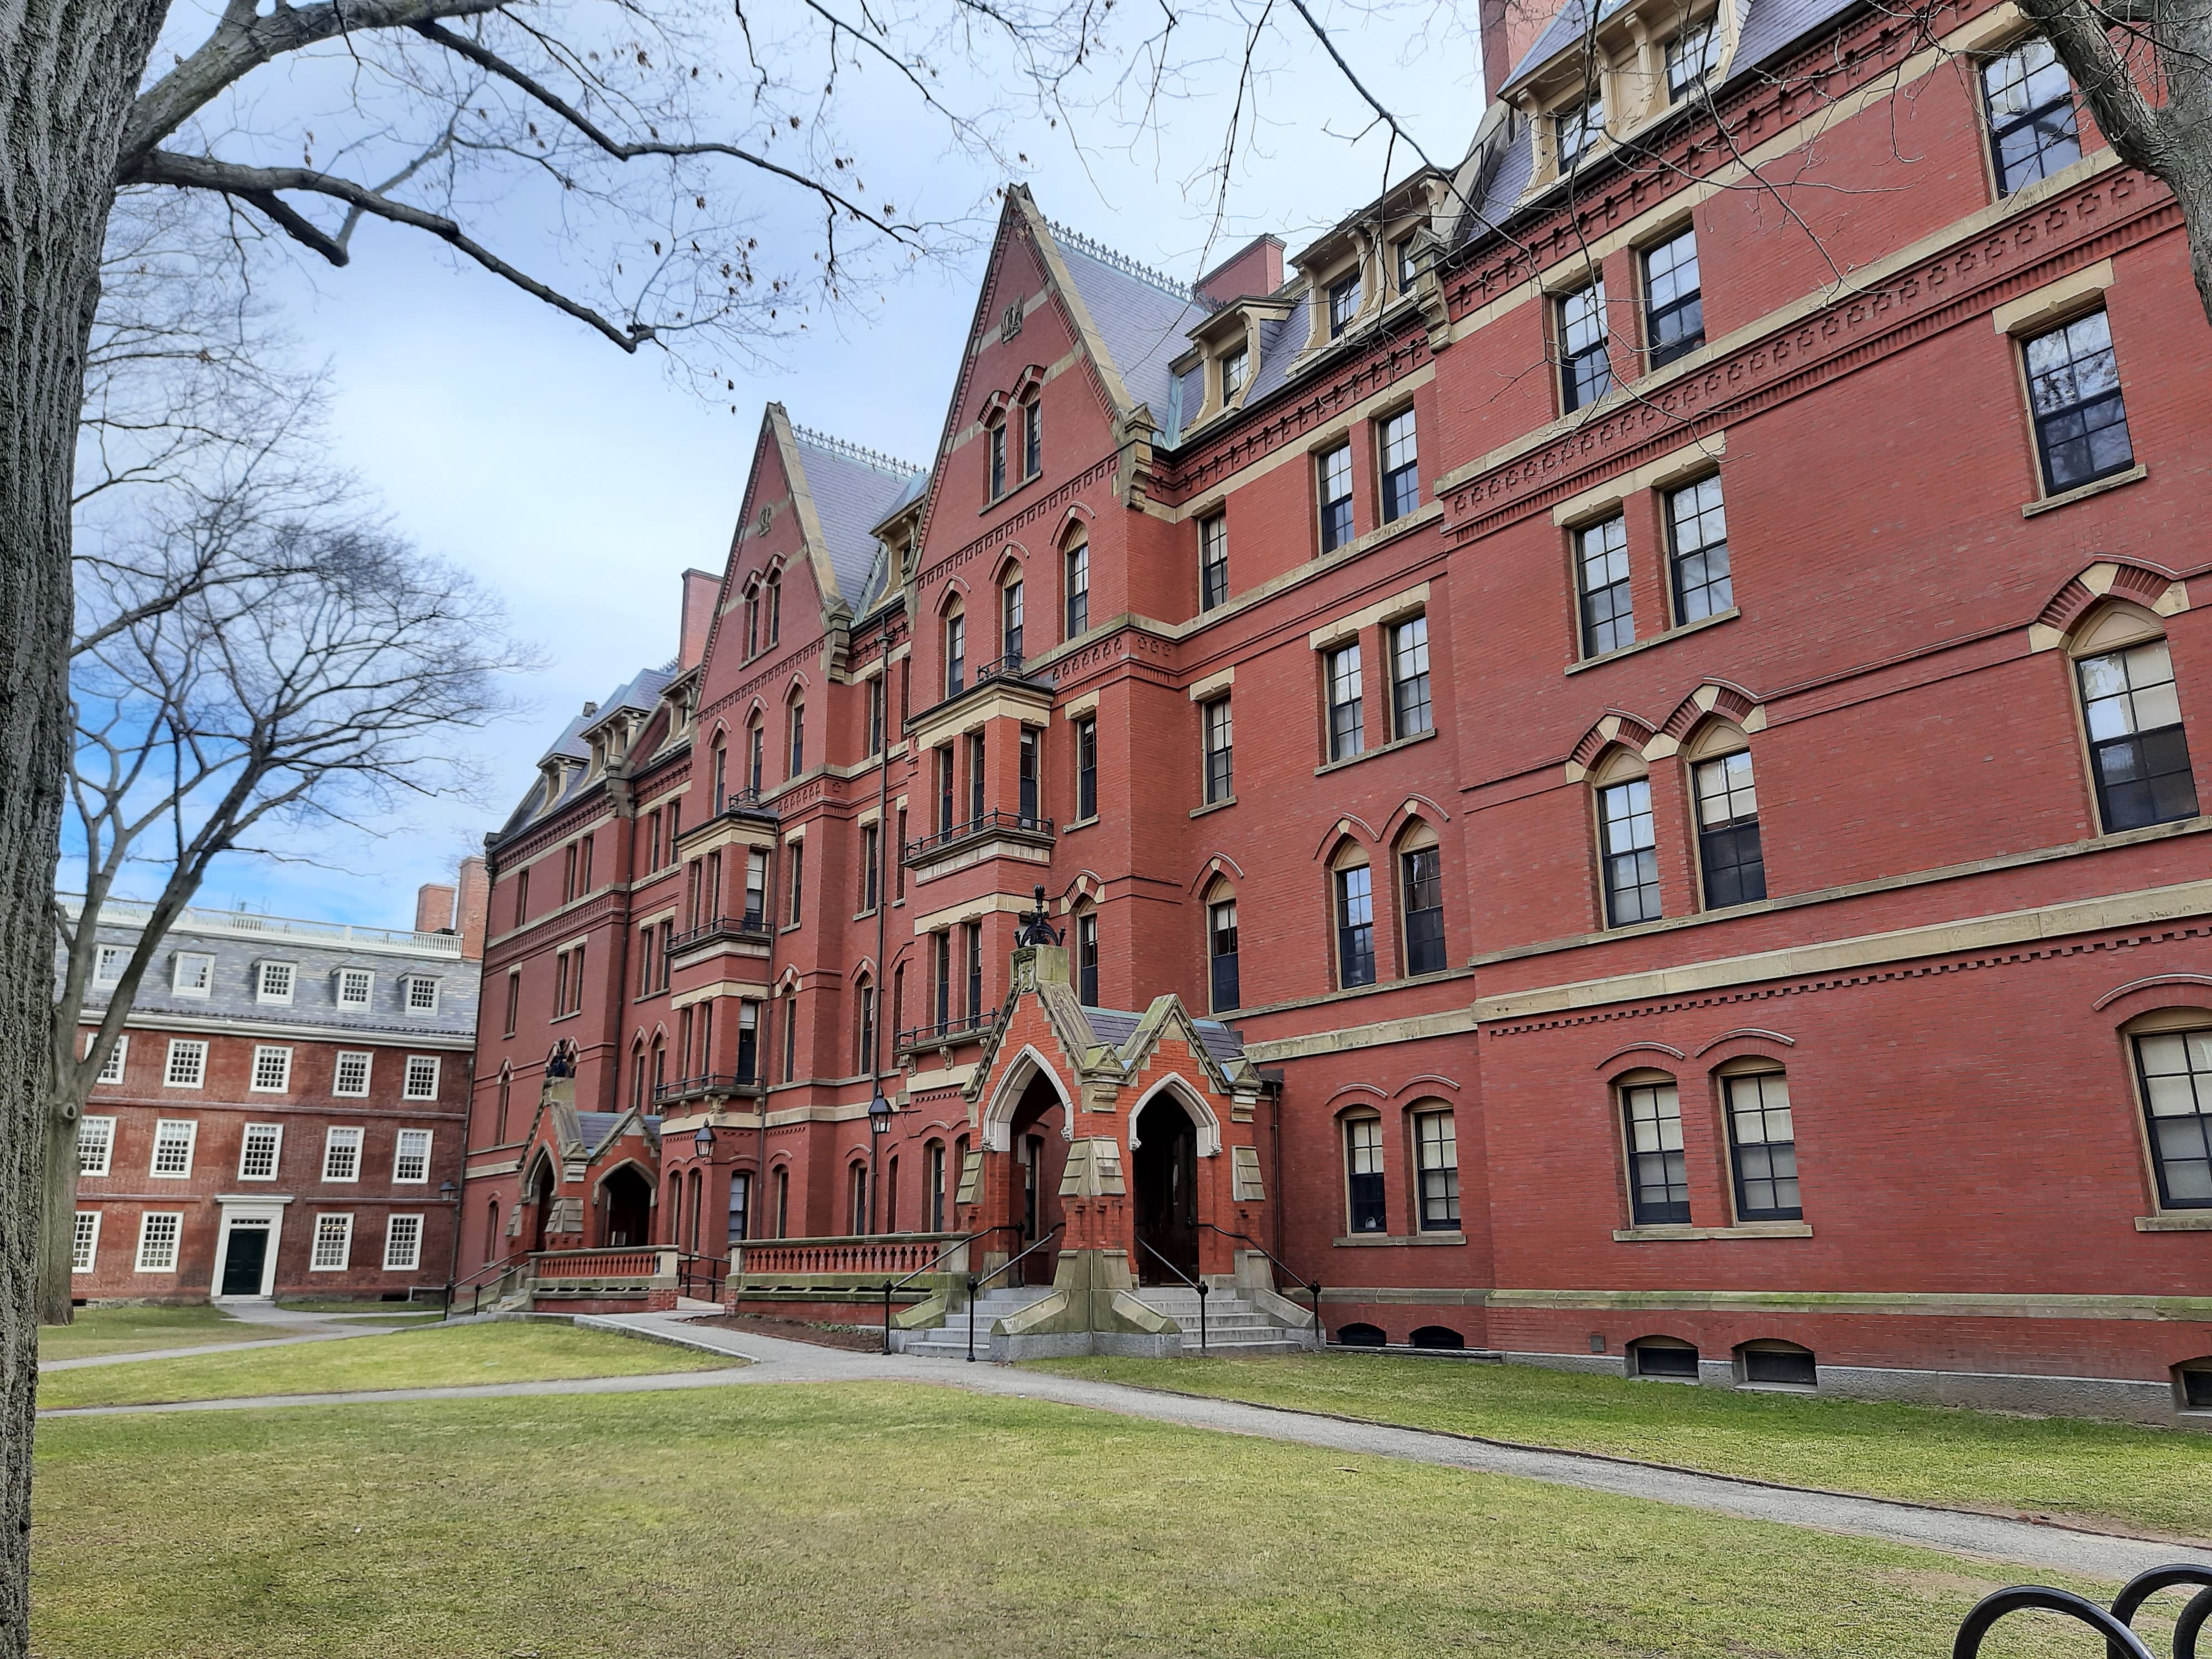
[
  {"x": 1629, "y": 850},
  {"x": 1696, "y": 535},
  {"x": 1674, "y": 320},
  {"x": 2032, "y": 131},
  {"x": 1659, "y": 1177},
  {"x": 2074, "y": 389},
  {"x": 1355, "y": 927},
  {"x": 1763, "y": 1146},
  {"x": 1585, "y": 372},
  {"x": 1601, "y": 572},
  {"x": 1425, "y": 911},
  {"x": 2175, "y": 1068}
]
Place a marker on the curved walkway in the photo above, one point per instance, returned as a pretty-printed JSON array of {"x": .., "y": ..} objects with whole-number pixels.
[
  {"x": 772, "y": 1359},
  {"x": 262, "y": 1315}
]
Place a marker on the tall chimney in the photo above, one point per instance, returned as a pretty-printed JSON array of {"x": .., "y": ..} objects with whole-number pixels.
[
  {"x": 434, "y": 908},
  {"x": 471, "y": 914},
  {"x": 1509, "y": 29},
  {"x": 700, "y": 592},
  {"x": 1254, "y": 268}
]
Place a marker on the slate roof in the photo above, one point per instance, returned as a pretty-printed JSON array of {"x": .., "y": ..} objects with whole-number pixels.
[
  {"x": 855, "y": 491},
  {"x": 594, "y": 1127},
  {"x": 1144, "y": 318},
  {"x": 317, "y": 951},
  {"x": 1279, "y": 341},
  {"x": 1115, "y": 1026}
]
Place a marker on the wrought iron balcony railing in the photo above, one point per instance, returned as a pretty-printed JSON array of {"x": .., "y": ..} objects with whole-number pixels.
[
  {"x": 711, "y": 1084},
  {"x": 960, "y": 1028},
  {"x": 751, "y": 927},
  {"x": 1025, "y": 826}
]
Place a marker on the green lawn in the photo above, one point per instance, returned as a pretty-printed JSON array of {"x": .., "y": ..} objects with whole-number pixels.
[
  {"x": 133, "y": 1330},
  {"x": 440, "y": 1356},
  {"x": 2143, "y": 1478},
  {"x": 900, "y": 1523},
  {"x": 339, "y": 1304}
]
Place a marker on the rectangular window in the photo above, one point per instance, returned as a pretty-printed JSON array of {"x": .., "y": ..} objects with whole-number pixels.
[
  {"x": 108, "y": 961},
  {"x": 402, "y": 1244},
  {"x": 2032, "y": 129},
  {"x": 422, "y": 994},
  {"x": 258, "y": 1151},
  {"x": 1674, "y": 304},
  {"x": 411, "y": 1157},
  {"x": 871, "y": 866},
  {"x": 2074, "y": 389},
  {"x": 790, "y": 1036},
  {"x": 1212, "y": 561},
  {"x": 1658, "y": 1172},
  {"x": 2175, "y": 1068},
  {"x": 975, "y": 777},
  {"x": 1347, "y": 723},
  {"x": 973, "y": 941},
  {"x": 1410, "y": 714},
  {"x": 1010, "y": 625},
  {"x": 187, "y": 1066},
  {"x": 513, "y": 999},
  {"x": 95, "y": 1145},
  {"x": 272, "y": 1069},
  {"x": 1362, "y": 1175},
  {"x": 1355, "y": 926},
  {"x": 1575, "y": 128},
  {"x": 740, "y": 1208},
  {"x": 876, "y": 715},
  {"x": 333, "y": 1244},
  {"x": 1401, "y": 469},
  {"x": 1332, "y": 474},
  {"x": 797, "y": 851},
  {"x": 111, "y": 1069},
  {"x": 1221, "y": 950},
  {"x": 1086, "y": 767},
  {"x": 1086, "y": 959},
  {"x": 956, "y": 655},
  {"x": 1424, "y": 883},
  {"x": 1608, "y": 607},
  {"x": 1763, "y": 1148},
  {"x": 1436, "y": 1147},
  {"x": 354, "y": 985},
  {"x": 173, "y": 1138},
  {"x": 2138, "y": 751},
  {"x": 798, "y": 739},
  {"x": 898, "y": 869},
  {"x": 1032, "y": 437},
  {"x": 998, "y": 459},
  {"x": 158, "y": 1232},
  {"x": 1585, "y": 370},
  {"x": 1236, "y": 366},
  {"x": 1697, "y": 540},
  {"x": 865, "y": 1047},
  {"x": 421, "y": 1082},
  {"x": 943, "y": 756},
  {"x": 1402, "y": 262},
  {"x": 1343, "y": 302},
  {"x": 748, "y": 1040},
  {"x": 1220, "y": 750},
  {"x": 1630, "y": 854},
  {"x": 944, "y": 955},
  {"x": 84, "y": 1243},
  {"x": 1078, "y": 588},
  {"x": 342, "y": 1155},
  {"x": 1691, "y": 56},
  {"x": 1030, "y": 768},
  {"x": 193, "y": 973},
  {"x": 1728, "y": 831}
]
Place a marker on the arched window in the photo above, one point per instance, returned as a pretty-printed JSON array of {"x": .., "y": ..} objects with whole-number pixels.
[
  {"x": 1076, "y": 584},
  {"x": 756, "y": 754},
  {"x": 752, "y": 619},
  {"x": 1224, "y": 980},
  {"x": 2138, "y": 749},
  {"x": 891, "y": 1194},
  {"x": 856, "y": 1197},
  {"x": 1421, "y": 899},
  {"x": 995, "y": 436},
  {"x": 637, "y": 1077},
  {"x": 2173, "y": 1050},
  {"x": 1361, "y": 1336},
  {"x": 1628, "y": 852},
  {"x": 491, "y": 1233},
  {"x": 659, "y": 1067},
  {"x": 691, "y": 1234},
  {"x": 1658, "y": 1168},
  {"x": 675, "y": 1209},
  {"x": 955, "y": 652},
  {"x": 721, "y": 772},
  {"x": 1010, "y": 618},
  {"x": 1352, "y": 902},
  {"x": 506, "y": 1098},
  {"x": 864, "y": 1025},
  {"x": 1729, "y": 860},
  {"x": 783, "y": 1203},
  {"x": 933, "y": 1195},
  {"x": 1087, "y": 956},
  {"x": 774, "y": 606},
  {"x": 1762, "y": 1141},
  {"x": 1436, "y": 1167},
  {"x": 1667, "y": 1359},
  {"x": 1033, "y": 433},
  {"x": 797, "y": 721},
  {"x": 1366, "y": 1208},
  {"x": 1769, "y": 1363}
]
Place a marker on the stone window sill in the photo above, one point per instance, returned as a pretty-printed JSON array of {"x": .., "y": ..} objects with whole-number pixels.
[
  {"x": 1742, "y": 1229},
  {"x": 2176, "y": 1221},
  {"x": 1716, "y": 618},
  {"x": 1403, "y": 1238},
  {"x": 1074, "y": 824},
  {"x": 1008, "y": 493},
  {"x": 2134, "y": 474},
  {"x": 1212, "y": 807},
  {"x": 1380, "y": 749}
]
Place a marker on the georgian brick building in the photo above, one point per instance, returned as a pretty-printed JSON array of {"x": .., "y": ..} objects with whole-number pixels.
[
  {"x": 1627, "y": 736},
  {"x": 283, "y": 1114}
]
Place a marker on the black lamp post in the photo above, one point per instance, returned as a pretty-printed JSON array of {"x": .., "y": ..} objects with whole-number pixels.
[
  {"x": 448, "y": 1193},
  {"x": 880, "y": 1125}
]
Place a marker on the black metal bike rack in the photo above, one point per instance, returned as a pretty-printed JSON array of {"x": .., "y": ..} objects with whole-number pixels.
[{"x": 2115, "y": 1625}]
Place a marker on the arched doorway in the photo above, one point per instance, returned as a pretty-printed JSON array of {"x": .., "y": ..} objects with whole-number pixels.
[
  {"x": 1163, "y": 1165},
  {"x": 1037, "y": 1136},
  {"x": 541, "y": 1203},
  {"x": 626, "y": 1203}
]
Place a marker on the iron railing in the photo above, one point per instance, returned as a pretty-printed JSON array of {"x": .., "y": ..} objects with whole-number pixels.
[
  {"x": 945, "y": 1031},
  {"x": 976, "y": 1282},
  {"x": 751, "y": 927},
  {"x": 2116, "y": 1626},
  {"x": 710, "y": 1083},
  {"x": 477, "y": 1283},
  {"x": 1009, "y": 667},
  {"x": 983, "y": 823},
  {"x": 1312, "y": 1287},
  {"x": 1198, "y": 1285},
  {"x": 695, "y": 1269},
  {"x": 740, "y": 800},
  {"x": 958, "y": 1244}
]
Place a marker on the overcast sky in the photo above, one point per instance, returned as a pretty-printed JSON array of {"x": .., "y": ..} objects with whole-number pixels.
[{"x": 578, "y": 483}]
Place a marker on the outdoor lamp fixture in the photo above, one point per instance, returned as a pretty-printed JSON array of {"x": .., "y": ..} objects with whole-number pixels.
[
  {"x": 704, "y": 1141},
  {"x": 880, "y": 1125},
  {"x": 447, "y": 1194}
]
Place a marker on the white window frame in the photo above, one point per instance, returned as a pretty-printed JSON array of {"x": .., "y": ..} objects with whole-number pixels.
[
  {"x": 338, "y": 1136},
  {"x": 368, "y": 978},
  {"x": 407, "y": 1004},
  {"x": 180, "y": 1046},
  {"x": 412, "y": 1261},
  {"x": 368, "y": 1060},
  {"x": 176, "y": 1232},
  {"x": 107, "y": 1145},
  {"x": 104, "y": 954},
  {"x": 111, "y": 1069},
  {"x": 190, "y": 1126},
  {"x": 399, "y": 1150},
  {"x": 261, "y": 976},
  {"x": 408, "y": 1090},
  {"x": 84, "y": 1243},
  {"x": 342, "y": 1233},
  {"x": 283, "y": 1085},
  {"x": 181, "y": 984},
  {"x": 275, "y": 1132}
]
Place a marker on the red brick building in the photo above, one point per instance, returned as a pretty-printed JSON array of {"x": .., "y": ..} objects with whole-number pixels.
[
  {"x": 1644, "y": 702},
  {"x": 283, "y": 1114}
]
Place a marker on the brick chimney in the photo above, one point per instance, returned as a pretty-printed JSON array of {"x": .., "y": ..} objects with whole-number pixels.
[
  {"x": 471, "y": 912},
  {"x": 1510, "y": 28},
  {"x": 434, "y": 908},
  {"x": 1256, "y": 269},
  {"x": 700, "y": 591}
]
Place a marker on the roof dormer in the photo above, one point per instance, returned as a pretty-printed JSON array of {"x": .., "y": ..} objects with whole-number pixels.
[
  {"x": 1369, "y": 262},
  {"x": 1592, "y": 81}
]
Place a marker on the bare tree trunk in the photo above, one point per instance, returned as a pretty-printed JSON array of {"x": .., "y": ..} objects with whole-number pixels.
[{"x": 69, "y": 69}]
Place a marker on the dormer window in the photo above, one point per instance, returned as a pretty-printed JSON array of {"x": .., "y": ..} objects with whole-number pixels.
[
  {"x": 418, "y": 993},
  {"x": 272, "y": 981},
  {"x": 1401, "y": 261},
  {"x": 1236, "y": 369},
  {"x": 354, "y": 986},
  {"x": 1578, "y": 127},
  {"x": 1343, "y": 302},
  {"x": 1691, "y": 56}
]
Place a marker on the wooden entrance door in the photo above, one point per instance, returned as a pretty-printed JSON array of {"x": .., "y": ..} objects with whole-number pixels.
[{"x": 243, "y": 1262}]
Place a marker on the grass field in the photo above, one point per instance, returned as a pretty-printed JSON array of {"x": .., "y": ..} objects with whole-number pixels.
[
  {"x": 440, "y": 1356},
  {"x": 398, "y": 1312},
  {"x": 2145, "y": 1479},
  {"x": 134, "y": 1330},
  {"x": 900, "y": 1523}
]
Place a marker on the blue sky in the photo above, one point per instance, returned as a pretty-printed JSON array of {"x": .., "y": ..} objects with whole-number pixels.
[{"x": 579, "y": 483}]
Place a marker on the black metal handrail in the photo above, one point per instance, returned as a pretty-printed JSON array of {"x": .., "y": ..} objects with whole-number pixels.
[
  {"x": 1009, "y": 667},
  {"x": 708, "y": 1083},
  {"x": 976, "y": 1284},
  {"x": 914, "y": 1037},
  {"x": 901, "y": 1284},
  {"x": 1313, "y": 1286},
  {"x": 982, "y": 824},
  {"x": 2121, "y": 1641},
  {"x": 753, "y": 924},
  {"x": 688, "y": 1275},
  {"x": 740, "y": 800},
  {"x": 1198, "y": 1285},
  {"x": 475, "y": 1301}
]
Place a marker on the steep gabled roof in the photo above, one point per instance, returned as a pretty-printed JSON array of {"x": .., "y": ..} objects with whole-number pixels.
[
  {"x": 851, "y": 491},
  {"x": 1143, "y": 318}
]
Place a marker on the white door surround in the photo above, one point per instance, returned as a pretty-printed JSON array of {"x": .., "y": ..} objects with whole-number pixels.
[{"x": 258, "y": 1212}]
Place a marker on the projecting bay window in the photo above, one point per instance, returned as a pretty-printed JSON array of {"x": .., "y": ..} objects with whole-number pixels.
[
  {"x": 1086, "y": 767},
  {"x": 1354, "y": 898},
  {"x": 2138, "y": 749},
  {"x": 1658, "y": 1168},
  {"x": 2029, "y": 101},
  {"x": 1220, "y": 750},
  {"x": 1728, "y": 854},
  {"x": 1332, "y": 484},
  {"x": 1410, "y": 713},
  {"x": 1697, "y": 551},
  {"x": 1364, "y": 1204},
  {"x": 1674, "y": 304},
  {"x": 1585, "y": 370},
  {"x": 1628, "y": 852},
  {"x": 1221, "y": 954},
  {"x": 2074, "y": 391},
  {"x": 1212, "y": 561},
  {"x": 1435, "y": 1153},
  {"x": 1401, "y": 466},
  {"x": 1762, "y": 1147},
  {"x": 1086, "y": 959},
  {"x": 1421, "y": 882},
  {"x": 2175, "y": 1068},
  {"x": 1608, "y": 607},
  {"x": 1347, "y": 729}
]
